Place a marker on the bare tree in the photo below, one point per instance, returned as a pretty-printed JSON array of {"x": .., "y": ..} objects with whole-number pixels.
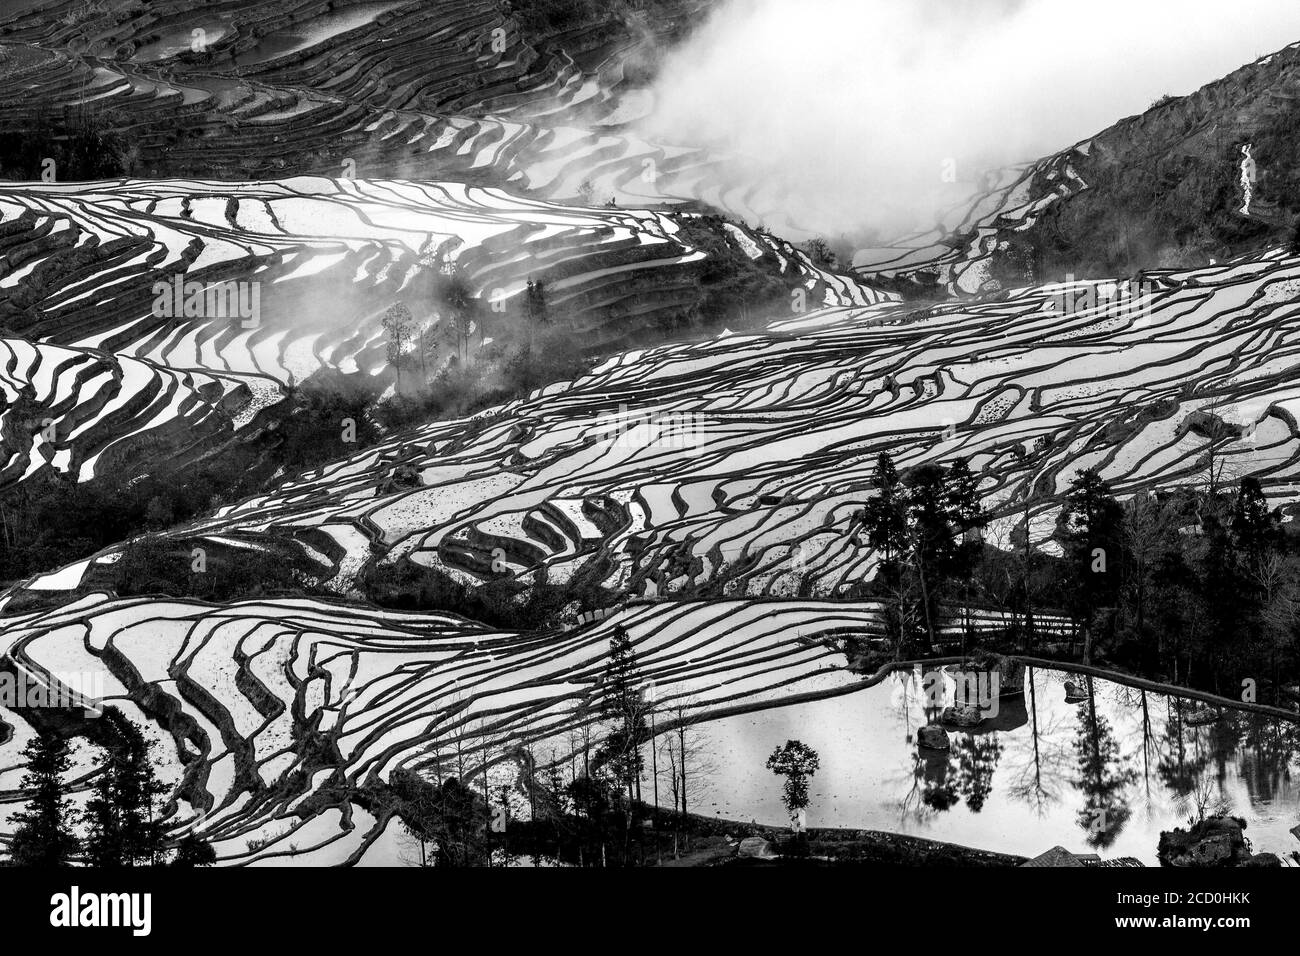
[
  {"x": 459, "y": 307},
  {"x": 397, "y": 325},
  {"x": 1276, "y": 575},
  {"x": 426, "y": 346},
  {"x": 1149, "y": 527},
  {"x": 687, "y": 758}
]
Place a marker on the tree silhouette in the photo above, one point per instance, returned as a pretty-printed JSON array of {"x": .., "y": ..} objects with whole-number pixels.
[
  {"x": 43, "y": 834},
  {"x": 795, "y": 761},
  {"x": 398, "y": 327},
  {"x": 1092, "y": 531},
  {"x": 623, "y": 704},
  {"x": 123, "y": 831}
]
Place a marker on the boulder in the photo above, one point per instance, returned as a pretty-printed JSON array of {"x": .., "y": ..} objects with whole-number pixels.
[
  {"x": 962, "y": 715},
  {"x": 932, "y": 737},
  {"x": 1010, "y": 673},
  {"x": 1215, "y": 849},
  {"x": 756, "y": 848}
]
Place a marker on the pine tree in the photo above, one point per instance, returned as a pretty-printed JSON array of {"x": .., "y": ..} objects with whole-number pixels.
[
  {"x": 884, "y": 516},
  {"x": 43, "y": 834},
  {"x": 967, "y": 514},
  {"x": 884, "y": 519},
  {"x": 934, "y": 548},
  {"x": 622, "y": 704},
  {"x": 456, "y": 298},
  {"x": 1092, "y": 531},
  {"x": 123, "y": 831},
  {"x": 193, "y": 851},
  {"x": 1252, "y": 520},
  {"x": 620, "y": 753}
]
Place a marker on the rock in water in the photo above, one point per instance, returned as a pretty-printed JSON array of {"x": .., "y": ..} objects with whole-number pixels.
[
  {"x": 932, "y": 737},
  {"x": 962, "y": 715}
]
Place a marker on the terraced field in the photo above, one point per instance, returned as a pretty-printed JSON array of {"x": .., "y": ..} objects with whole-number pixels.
[
  {"x": 743, "y": 460},
  {"x": 959, "y": 252},
  {"x": 450, "y": 90},
  {"x": 732, "y": 467},
  {"x": 338, "y": 158},
  {"x": 281, "y": 721},
  {"x": 327, "y": 257},
  {"x": 1155, "y": 189}
]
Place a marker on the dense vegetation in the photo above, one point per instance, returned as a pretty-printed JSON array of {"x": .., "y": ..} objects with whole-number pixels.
[
  {"x": 555, "y": 16},
  {"x": 503, "y": 602},
  {"x": 511, "y": 366},
  {"x": 123, "y": 825},
  {"x": 50, "y": 520},
  {"x": 1179, "y": 212},
  {"x": 1172, "y": 206},
  {"x": 68, "y": 155},
  {"x": 1197, "y": 586},
  {"x": 732, "y": 287}
]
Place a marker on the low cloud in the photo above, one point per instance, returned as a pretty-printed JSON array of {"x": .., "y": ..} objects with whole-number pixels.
[{"x": 848, "y": 112}]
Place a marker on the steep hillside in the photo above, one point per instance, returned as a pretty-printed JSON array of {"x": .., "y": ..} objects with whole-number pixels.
[
  {"x": 285, "y": 196},
  {"x": 540, "y": 96},
  {"x": 738, "y": 465},
  {"x": 731, "y": 469},
  {"x": 321, "y": 260},
  {"x": 281, "y": 724},
  {"x": 1161, "y": 190}
]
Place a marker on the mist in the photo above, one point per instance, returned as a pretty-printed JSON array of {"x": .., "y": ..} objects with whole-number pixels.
[{"x": 850, "y": 111}]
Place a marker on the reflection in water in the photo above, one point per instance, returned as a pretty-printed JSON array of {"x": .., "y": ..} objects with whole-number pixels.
[
  {"x": 1107, "y": 774},
  {"x": 1104, "y": 775},
  {"x": 938, "y": 785},
  {"x": 977, "y": 758}
]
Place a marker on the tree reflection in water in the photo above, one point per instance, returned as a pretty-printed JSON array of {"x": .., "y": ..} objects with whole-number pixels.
[
  {"x": 941, "y": 780},
  {"x": 1104, "y": 775},
  {"x": 1123, "y": 758},
  {"x": 1037, "y": 780}
]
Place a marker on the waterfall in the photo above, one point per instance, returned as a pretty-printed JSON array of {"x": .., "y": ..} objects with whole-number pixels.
[{"x": 1247, "y": 178}]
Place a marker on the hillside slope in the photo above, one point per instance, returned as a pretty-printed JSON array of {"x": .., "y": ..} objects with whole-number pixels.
[
  {"x": 740, "y": 462},
  {"x": 1160, "y": 190},
  {"x": 80, "y": 269},
  {"x": 476, "y": 91}
]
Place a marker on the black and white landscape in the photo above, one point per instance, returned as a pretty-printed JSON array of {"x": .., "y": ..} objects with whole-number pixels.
[{"x": 621, "y": 433}]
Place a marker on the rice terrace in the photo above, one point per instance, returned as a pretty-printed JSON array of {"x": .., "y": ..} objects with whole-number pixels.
[{"x": 656, "y": 433}]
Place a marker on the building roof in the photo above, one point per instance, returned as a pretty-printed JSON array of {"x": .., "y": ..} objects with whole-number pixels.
[
  {"x": 1060, "y": 856},
  {"x": 1056, "y": 856}
]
